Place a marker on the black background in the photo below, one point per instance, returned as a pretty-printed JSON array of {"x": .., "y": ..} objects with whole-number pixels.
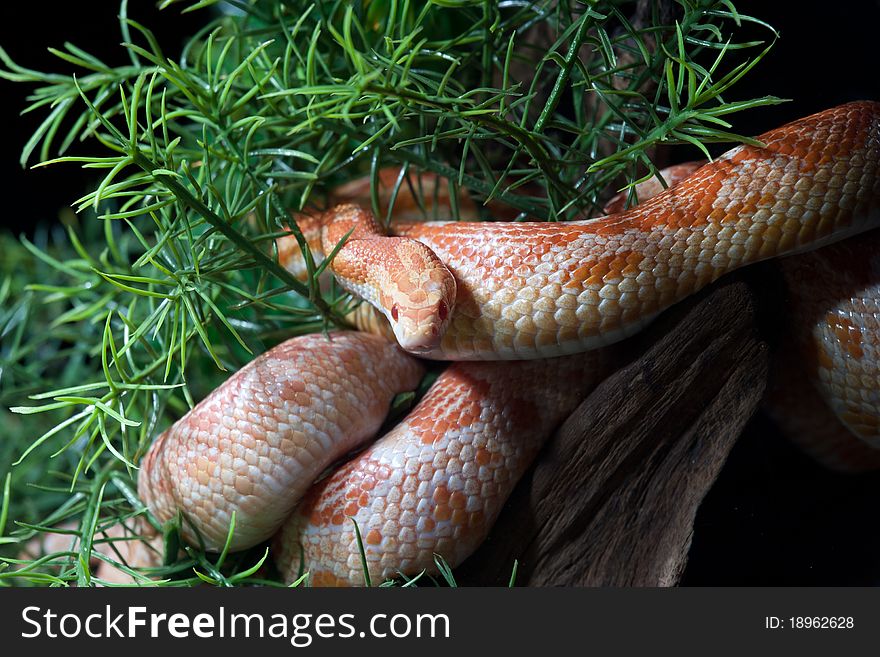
[
  {"x": 27, "y": 29},
  {"x": 773, "y": 517}
]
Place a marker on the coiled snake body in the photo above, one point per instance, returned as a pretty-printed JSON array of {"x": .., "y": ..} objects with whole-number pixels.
[{"x": 493, "y": 291}]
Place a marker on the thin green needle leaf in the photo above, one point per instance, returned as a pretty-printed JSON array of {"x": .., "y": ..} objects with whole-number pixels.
[
  {"x": 368, "y": 581},
  {"x": 4, "y": 508}
]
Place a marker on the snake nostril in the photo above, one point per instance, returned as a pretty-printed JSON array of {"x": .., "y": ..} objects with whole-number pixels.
[
  {"x": 443, "y": 311},
  {"x": 395, "y": 312}
]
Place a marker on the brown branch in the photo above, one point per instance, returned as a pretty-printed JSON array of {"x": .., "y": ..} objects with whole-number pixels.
[{"x": 612, "y": 498}]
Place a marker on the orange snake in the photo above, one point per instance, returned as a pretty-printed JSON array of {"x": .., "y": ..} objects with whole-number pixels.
[{"x": 496, "y": 291}]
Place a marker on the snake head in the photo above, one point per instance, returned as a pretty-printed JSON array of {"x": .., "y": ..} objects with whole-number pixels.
[{"x": 420, "y": 299}]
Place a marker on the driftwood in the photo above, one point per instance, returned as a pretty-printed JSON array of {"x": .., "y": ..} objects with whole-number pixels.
[{"x": 612, "y": 498}]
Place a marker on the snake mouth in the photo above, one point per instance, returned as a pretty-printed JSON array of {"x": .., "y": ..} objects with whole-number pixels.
[{"x": 418, "y": 340}]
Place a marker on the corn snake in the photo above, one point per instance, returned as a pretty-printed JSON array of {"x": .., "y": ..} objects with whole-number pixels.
[{"x": 501, "y": 291}]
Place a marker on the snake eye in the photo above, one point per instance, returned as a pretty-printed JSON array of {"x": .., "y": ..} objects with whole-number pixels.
[
  {"x": 443, "y": 311},
  {"x": 395, "y": 311}
]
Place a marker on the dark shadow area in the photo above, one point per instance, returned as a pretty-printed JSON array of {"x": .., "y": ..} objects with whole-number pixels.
[{"x": 774, "y": 517}]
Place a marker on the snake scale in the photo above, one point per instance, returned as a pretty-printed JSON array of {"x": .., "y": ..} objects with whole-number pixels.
[{"x": 483, "y": 294}]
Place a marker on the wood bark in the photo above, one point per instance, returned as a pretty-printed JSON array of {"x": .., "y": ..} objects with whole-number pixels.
[{"x": 611, "y": 500}]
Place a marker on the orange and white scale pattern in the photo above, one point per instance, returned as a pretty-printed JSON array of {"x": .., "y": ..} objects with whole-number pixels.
[
  {"x": 436, "y": 482},
  {"x": 431, "y": 190},
  {"x": 402, "y": 277},
  {"x": 523, "y": 291},
  {"x": 257, "y": 442},
  {"x": 530, "y": 290}
]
